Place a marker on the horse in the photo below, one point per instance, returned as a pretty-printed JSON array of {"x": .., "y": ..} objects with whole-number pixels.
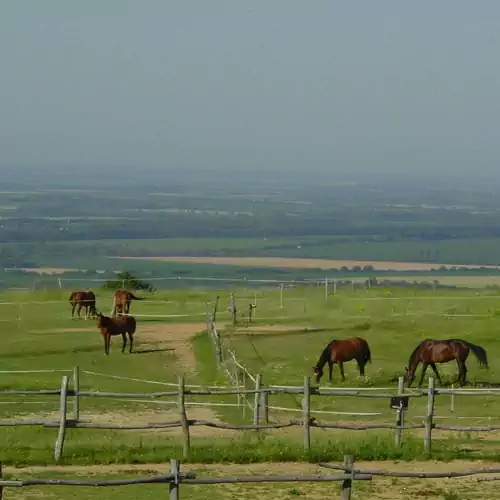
[
  {"x": 83, "y": 299},
  {"x": 429, "y": 352},
  {"x": 117, "y": 326},
  {"x": 340, "y": 351},
  {"x": 122, "y": 300}
]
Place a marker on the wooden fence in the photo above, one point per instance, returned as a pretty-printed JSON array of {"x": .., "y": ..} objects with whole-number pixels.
[
  {"x": 347, "y": 478},
  {"x": 260, "y": 418}
]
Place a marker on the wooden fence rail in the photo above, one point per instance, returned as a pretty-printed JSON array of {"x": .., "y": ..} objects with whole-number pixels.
[
  {"x": 260, "y": 418},
  {"x": 176, "y": 478},
  {"x": 347, "y": 476}
]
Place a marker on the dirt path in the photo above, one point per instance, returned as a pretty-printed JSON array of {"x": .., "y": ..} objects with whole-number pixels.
[{"x": 176, "y": 336}]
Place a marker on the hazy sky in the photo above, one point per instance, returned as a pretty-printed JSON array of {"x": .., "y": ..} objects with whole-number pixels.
[{"x": 322, "y": 84}]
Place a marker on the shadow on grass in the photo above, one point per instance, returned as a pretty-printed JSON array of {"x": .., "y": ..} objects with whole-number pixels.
[{"x": 147, "y": 351}]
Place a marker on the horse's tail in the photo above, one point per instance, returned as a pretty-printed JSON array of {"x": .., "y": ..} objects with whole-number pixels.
[
  {"x": 132, "y": 296},
  {"x": 133, "y": 324},
  {"x": 479, "y": 352},
  {"x": 368, "y": 358}
]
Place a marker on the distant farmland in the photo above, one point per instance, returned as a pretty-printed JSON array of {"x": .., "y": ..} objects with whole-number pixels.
[{"x": 302, "y": 263}]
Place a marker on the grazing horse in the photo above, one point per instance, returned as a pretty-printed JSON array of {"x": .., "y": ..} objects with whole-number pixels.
[
  {"x": 117, "y": 326},
  {"x": 340, "y": 351},
  {"x": 429, "y": 352},
  {"x": 83, "y": 299},
  {"x": 122, "y": 300}
]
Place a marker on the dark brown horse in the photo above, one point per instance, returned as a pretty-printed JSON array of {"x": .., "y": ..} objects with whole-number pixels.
[
  {"x": 117, "y": 326},
  {"x": 83, "y": 299},
  {"x": 340, "y": 351},
  {"x": 122, "y": 300},
  {"x": 429, "y": 352}
]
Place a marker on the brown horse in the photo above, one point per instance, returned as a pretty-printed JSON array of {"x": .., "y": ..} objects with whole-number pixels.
[
  {"x": 429, "y": 352},
  {"x": 122, "y": 300},
  {"x": 116, "y": 326},
  {"x": 83, "y": 299},
  {"x": 340, "y": 351}
]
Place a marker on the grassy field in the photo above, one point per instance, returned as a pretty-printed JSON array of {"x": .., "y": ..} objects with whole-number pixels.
[{"x": 284, "y": 343}]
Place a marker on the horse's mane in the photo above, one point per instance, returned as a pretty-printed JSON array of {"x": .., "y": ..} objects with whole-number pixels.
[{"x": 324, "y": 355}]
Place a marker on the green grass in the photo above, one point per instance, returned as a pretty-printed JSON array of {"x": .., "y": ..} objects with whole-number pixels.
[{"x": 46, "y": 338}]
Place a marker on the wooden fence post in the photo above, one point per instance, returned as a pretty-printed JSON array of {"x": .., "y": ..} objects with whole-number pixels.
[
  {"x": 264, "y": 407},
  {"x": 174, "y": 485},
  {"x": 281, "y": 296},
  {"x": 63, "y": 407},
  {"x": 217, "y": 344},
  {"x": 400, "y": 414},
  {"x": 306, "y": 411},
  {"x": 232, "y": 308},
  {"x": 76, "y": 389},
  {"x": 429, "y": 417},
  {"x": 347, "y": 483},
  {"x": 256, "y": 411},
  {"x": 452, "y": 400},
  {"x": 326, "y": 288},
  {"x": 183, "y": 418}
]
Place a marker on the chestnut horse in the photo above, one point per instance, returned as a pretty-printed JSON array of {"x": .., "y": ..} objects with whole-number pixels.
[
  {"x": 83, "y": 299},
  {"x": 116, "y": 326},
  {"x": 340, "y": 351},
  {"x": 122, "y": 300},
  {"x": 429, "y": 352}
]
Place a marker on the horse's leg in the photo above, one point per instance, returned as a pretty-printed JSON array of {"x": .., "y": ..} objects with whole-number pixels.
[
  {"x": 361, "y": 366},
  {"x": 131, "y": 338},
  {"x": 435, "y": 370},
  {"x": 106, "y": 343},
  {"x": 73, "y": 311},
  {"x": 124, "y": 337},
  {"x": 78, "y": 310},
  {"x": 462, "y": 373},
  {"x": 424, "y": 369},
  {"x": 330, "y": 370},
  {"x": 341, "y": 368}
]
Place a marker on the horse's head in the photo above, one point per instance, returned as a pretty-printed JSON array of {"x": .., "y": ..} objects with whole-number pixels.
[
  {"x": 409, "y": 375},
  {"x": 318, "y": 372}
]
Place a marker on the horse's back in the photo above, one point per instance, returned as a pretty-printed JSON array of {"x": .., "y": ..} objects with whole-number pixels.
[
  {"x": 74, "y": 296},
  {"x": 124, "y": 324},
  {"x": 350, "y": 348}
]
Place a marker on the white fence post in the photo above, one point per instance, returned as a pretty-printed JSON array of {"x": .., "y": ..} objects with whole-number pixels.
[
  {"x": 174, "y": 485},
  {"x": 76, "y": 389},
  {"x": 62, "y": 419},
  {"x": 306, "y": 411},
  {"x": 400, "y": 414},
  {"x": 256, "y": 412},
  {"x": 430, "y": 414}
]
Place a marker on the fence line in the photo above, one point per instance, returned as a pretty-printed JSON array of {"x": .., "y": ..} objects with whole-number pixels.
[
  {"x": 260, "y": 407},
  {"x": 176, "y": 478},
  {"x": 347, "y": 475},
  {"x": 169, "y": 384}
]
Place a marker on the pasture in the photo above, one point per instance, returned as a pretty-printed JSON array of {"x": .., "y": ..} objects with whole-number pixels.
[{"x": 283, "y": 341}]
